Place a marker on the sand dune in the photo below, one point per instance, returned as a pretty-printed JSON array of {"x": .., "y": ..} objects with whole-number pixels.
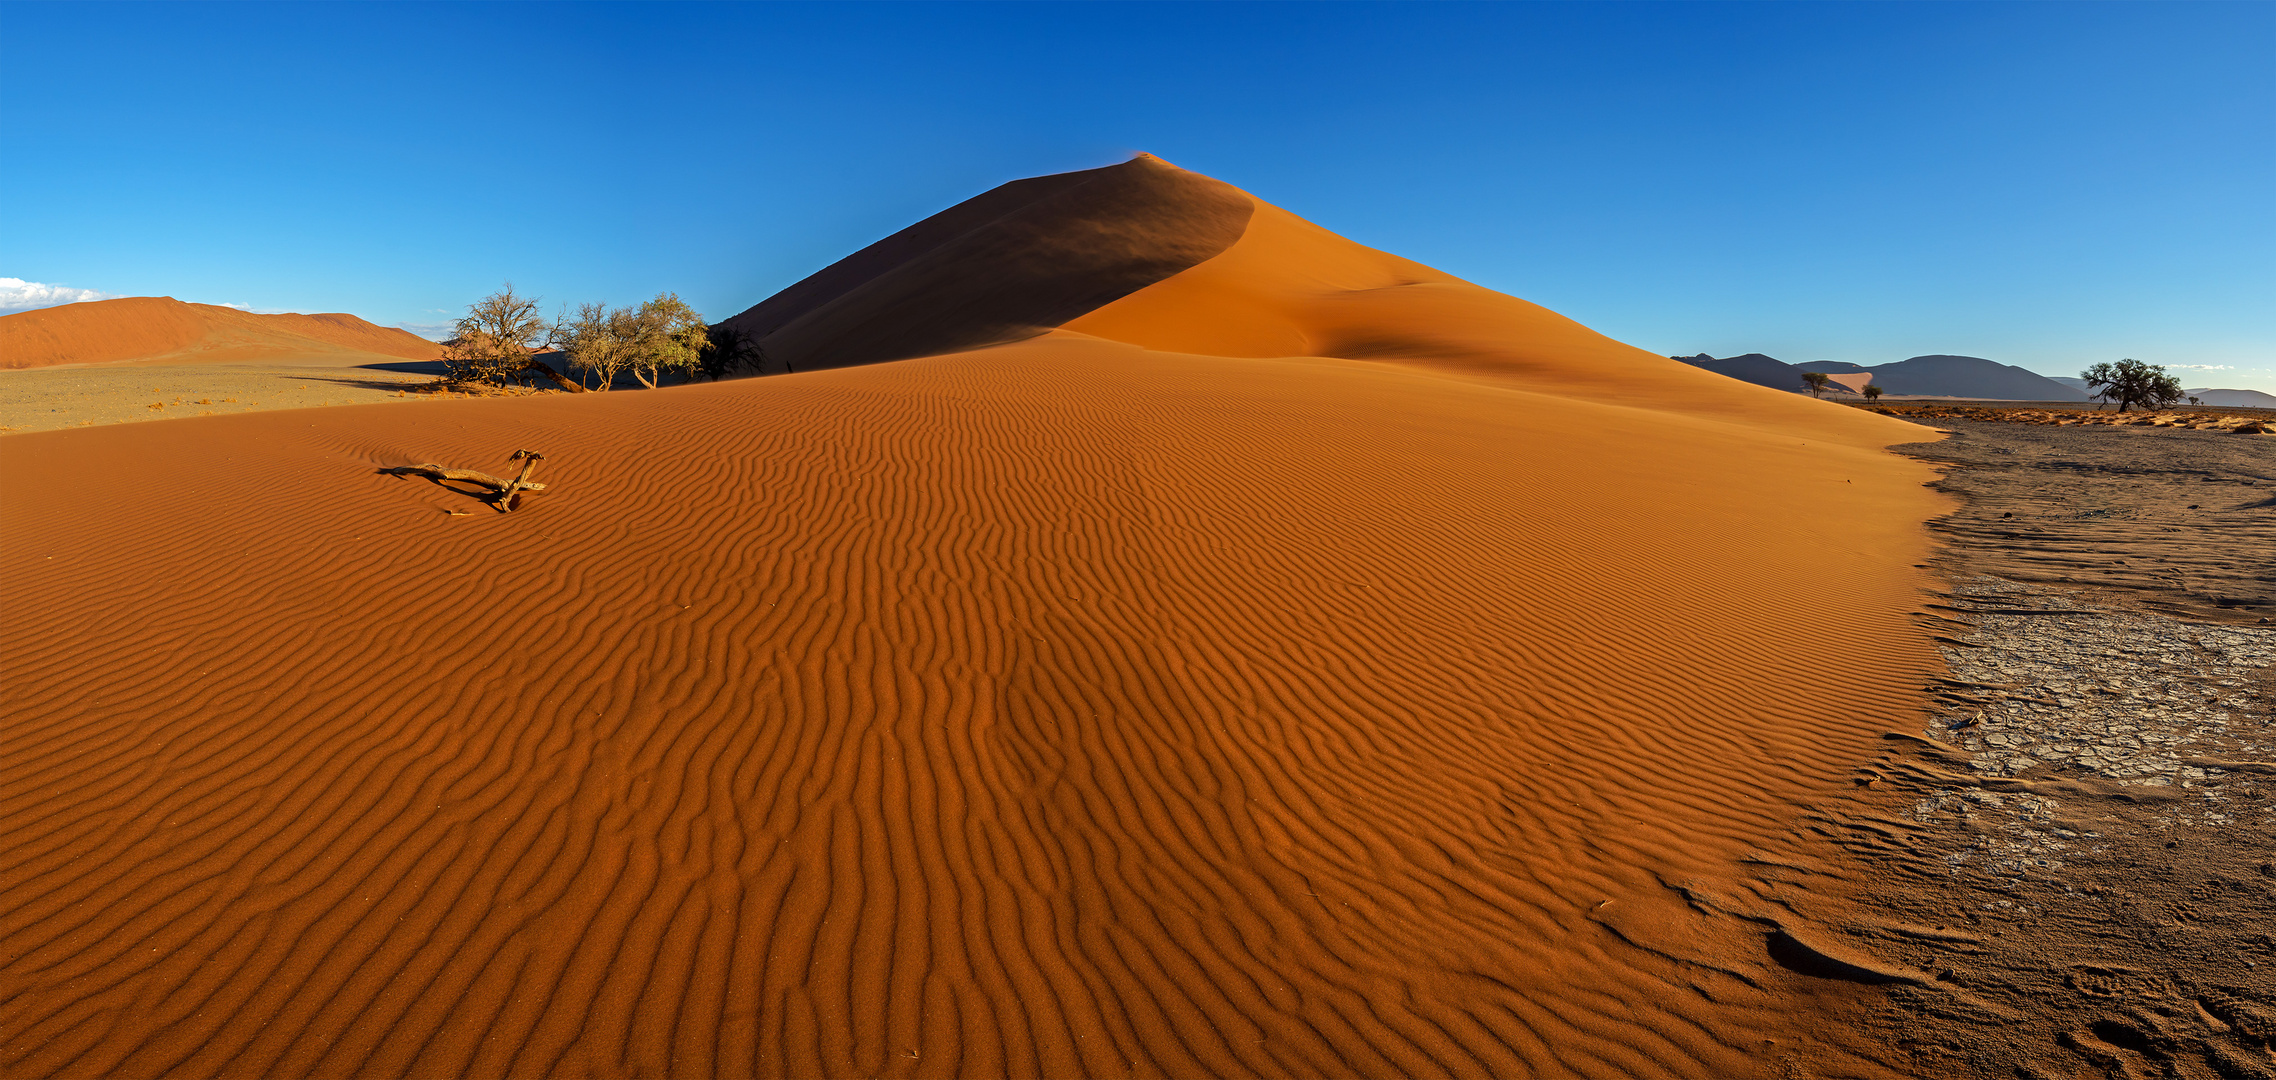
[
  {"x": 1171, "y": 694},
  {"x": 165, "y": 330},
  {"x": 1006, "y": 265}
]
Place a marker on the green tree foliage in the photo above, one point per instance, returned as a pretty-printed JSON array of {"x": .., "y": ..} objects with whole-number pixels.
[
  {"x": 1872, "y": 392},
  {"x": 596, "y": 341},
  {"x": 495, "y": 339},
  {"x": 1816, "y": 381},
  {"x": 669, "y": 336},
  {"x": 2130, "y": 382},
  {"x": 662, "y": 335}
]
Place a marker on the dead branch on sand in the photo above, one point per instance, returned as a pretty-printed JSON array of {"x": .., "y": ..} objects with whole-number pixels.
[{"x": 502, "y": 492}]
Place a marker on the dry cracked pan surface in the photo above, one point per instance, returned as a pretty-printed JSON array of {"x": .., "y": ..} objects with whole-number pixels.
[{"x": 2079, "y": 849}]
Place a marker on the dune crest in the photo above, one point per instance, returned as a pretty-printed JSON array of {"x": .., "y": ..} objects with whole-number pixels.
[
  {"x": 1003, "y": 266},
  {"x": 1068, "y": 706},
  {"x": 163, "y": 329}
]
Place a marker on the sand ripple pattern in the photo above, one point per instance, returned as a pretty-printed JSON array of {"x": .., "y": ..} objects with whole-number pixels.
[{"x": 1056, "y": 709}]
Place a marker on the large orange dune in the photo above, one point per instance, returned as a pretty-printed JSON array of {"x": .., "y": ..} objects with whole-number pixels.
[
  {"x": 161, "y": 329},
  {"x": 1263, "y": 656}
]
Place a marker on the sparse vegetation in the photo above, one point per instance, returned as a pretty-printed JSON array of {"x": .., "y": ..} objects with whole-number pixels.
[
  {"x": 1872, "y": 392},
  {"x": 497, "y": 333},
  {"x": 667, "y": 336},
  {"x": 662, "y": 335},
  {"x": 2130, "y": 382},
  {"x": 498, "y": 340},
  {"x": 730, "y": 352},
  {"x": 1816, "y": 381},
  {"x": 595, "y": 341}
]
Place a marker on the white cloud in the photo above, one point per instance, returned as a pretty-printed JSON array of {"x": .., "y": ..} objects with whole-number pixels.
[
  {"x": 2203, "y": 367},
  {"x": 16, "y": 294},
  {"x": 440, "y": 331}
]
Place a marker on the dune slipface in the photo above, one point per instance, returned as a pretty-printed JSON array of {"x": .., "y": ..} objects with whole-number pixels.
[
  {"x": 166, "y": 330},
  {"x": 1004, "y": 266},
  {"x": 1287, "y": 669}
]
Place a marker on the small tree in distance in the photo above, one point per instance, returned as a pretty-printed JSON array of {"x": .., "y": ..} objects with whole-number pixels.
[
  {"x": 669, "y": 336},
  {"x": 661, "y": 335},
  {"x": 2130, "y": 382},
  {"x": 495, "y": 338},
  {"x": 1816, "y": 381},
  {"x": 498, "y": 340},
  {"x": 731, "y": 352},
  {"x": 595, "y": 343},
  {"x": 1872, "y": 392}
]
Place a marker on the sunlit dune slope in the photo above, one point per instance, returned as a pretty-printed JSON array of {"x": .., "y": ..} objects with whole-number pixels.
[
  {"x": 1292, "y": 288},
  {"x": 1065, "y": 707},
  {"x": 1002, "y": 266},
  {"x": 163, "y": 329}
]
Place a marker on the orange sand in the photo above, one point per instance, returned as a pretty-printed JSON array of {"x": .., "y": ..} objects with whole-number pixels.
[
  {"x": 162, "y": 329},
  {"x": 1174, "y": 694},
  {"x": 1007, "y": 265}
]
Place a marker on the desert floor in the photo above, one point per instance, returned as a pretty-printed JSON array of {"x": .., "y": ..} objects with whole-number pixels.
[
  {"x": 434, "y": 791},
  {"x": 2070, "y": 865},
  {"x": 91, "y": 395},
  {"x": 1057, "y": 708}
]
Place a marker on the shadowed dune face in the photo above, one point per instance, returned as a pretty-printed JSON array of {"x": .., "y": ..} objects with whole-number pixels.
[
  {"x": 1005, "y": 265},
  {"x": 1053, "y": 708},
  {"x": 163, "y": 329}
]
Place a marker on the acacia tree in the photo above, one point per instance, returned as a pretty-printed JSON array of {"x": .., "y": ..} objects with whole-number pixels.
[
  {"x": 1816, "y": 381},
  {"x": 661, "y": 335},
  {"x": 497, "y": 340},
  {"x": 596, "y": 343},
  {"x": 730, "y": 352},
  {"x": 2130, "y": 382},
  {"x": 667, "y": 336},
  {"x": 1872, "y": 392}
]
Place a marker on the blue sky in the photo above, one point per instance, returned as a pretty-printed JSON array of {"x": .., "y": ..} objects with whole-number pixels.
[{"x": 2044, "y": 184}]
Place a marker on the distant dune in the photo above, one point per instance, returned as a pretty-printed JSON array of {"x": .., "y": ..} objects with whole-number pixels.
[
  {"x": 1752, "y": 368},
  {"x": 2247, "y": 399},
  {"x": 165, "y": 330},
  {"x": 1968, "y": 377},
  {"x": 1921, "y": 376},
  {"x": 1231, "y": 650}
]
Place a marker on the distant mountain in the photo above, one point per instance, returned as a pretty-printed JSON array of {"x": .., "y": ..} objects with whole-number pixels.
[
  {"x": 2076, "y": 384},
  {"x": 1832, "y": 367},
  {"x": 2234, "y": 399},
  {"x": 1970, "y": 377},
  {"x": 1751, "y": 368},
  {"x": 1921, "y": 376}
]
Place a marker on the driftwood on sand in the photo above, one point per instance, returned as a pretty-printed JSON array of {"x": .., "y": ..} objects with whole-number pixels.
[{"x": 502, "y": 492}]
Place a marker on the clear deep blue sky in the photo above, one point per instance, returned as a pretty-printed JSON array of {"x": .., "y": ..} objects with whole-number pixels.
[{"x": 2045, "y": 184}]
